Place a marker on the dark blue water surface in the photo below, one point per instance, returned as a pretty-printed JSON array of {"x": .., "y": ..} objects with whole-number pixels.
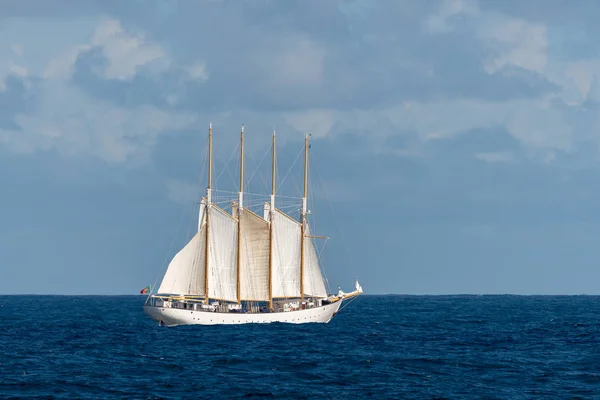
[{"x": 378, "y": 347}]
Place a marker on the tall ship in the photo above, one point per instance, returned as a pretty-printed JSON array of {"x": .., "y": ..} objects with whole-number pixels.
[{"x": 241, "y": 267}]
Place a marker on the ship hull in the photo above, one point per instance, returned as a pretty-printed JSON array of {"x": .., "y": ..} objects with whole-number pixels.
[{"x": 174, "y": 316}]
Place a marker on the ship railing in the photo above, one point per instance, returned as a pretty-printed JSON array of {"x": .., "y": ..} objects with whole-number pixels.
[{"x": 195, "y": 304}]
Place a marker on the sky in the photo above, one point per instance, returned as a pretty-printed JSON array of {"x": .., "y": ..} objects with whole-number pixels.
[{"x": 455, "y": 143}]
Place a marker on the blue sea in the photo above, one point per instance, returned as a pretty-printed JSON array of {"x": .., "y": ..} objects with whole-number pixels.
[{"x": 384, "y": 347}]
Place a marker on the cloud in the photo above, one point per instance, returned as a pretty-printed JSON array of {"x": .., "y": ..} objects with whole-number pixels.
[
  {"x": 314, "y": 122},
  {"x": 11, "y": 64},
  {"x": 74, "y": 124},
  {"x": 513, "y": 43},
  {"x": 438, "y": 22},
  {"x": 197, "y": 71},
  {"x": 62, "y": 116},
  {"x": 125, "y": 53},
  {"x": 468, "y": 67}
]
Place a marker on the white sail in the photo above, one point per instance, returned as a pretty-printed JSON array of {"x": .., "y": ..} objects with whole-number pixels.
[
  {"x": 313, "y": 278},
  {"x": 286, "y": 256},
  {"x": 222, "y": 255},
  {"x": 254, "y": 268},
  {"x": 185, "y": 274},
  {"x": 201, "y": 213}
]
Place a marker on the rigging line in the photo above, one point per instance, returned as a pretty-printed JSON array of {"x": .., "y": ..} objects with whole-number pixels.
[
  {"x": 264, "y": 181},
  {"x": 258, "y": 166},
  {"x": 233, "y": 179},
  {"x": 348, "y": 303},
  {"x": 227, "y": 163},
  {"x": 320, "y": 254},
  {"x": 295, "y": 182},
  {"x": 226, "y": 197},
  {"x": 321, "y": 258},
  {"x": 335, "y": 227},
  {"x": 290, "y": 204},
  {"x": 284, "y": 208},
  {"x": 289, "y": 197},
  {"x": 288, "y": 172},
  {"x": 225, "y": 191}
]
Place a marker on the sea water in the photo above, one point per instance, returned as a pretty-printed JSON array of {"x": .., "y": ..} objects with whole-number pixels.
[{"x": 458, "y": 347}]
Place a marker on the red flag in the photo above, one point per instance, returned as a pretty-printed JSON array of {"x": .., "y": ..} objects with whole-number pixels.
[{"x": 145, "y": 290}]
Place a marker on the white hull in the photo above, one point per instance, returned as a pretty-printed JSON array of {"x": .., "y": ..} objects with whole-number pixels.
[{"x": 175, "y": 316}]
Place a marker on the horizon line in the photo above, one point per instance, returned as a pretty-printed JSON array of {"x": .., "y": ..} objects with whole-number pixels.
[{"x": 364, "y": 294}]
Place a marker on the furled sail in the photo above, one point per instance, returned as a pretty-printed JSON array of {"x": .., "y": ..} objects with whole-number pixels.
[
  {"x": 313, "y": 278},
  {"x": 222, "y": 255},
  {"x": 286, "y": 256},
  {"x": 254, "y": 268},
  {"x": 185, "y": 274}
]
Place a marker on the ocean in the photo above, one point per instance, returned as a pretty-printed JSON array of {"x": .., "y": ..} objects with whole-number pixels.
[{"x": 384, "y": 347}]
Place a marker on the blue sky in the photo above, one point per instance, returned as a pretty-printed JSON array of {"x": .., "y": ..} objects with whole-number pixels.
[{"x": 457, "y": 141}]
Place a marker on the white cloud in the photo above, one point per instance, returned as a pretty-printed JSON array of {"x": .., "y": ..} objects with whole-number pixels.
[
  {"x": 438, "y": 21},
  {"x": 125, "y": 52},
  {"x": 296, "y": 62},
  {"x": 544, "y": 125},
  {"x": 75, "y": 124},
  {"x": 197, "y": 72},
  {"x": 62, "y": 66},
  {"x": 509, "y": 41},
  {"x": 513, "y": 42},
  {"x": 540, "y": 125},
  {"x": 72, "y": 122},
  {"x": 445, "y": 118},
  {"x": 11, "y": 65},
  {"x": 318, "y": 123}
]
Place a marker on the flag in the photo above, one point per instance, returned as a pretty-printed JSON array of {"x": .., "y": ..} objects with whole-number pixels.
[{"x": 145, "y": 290}]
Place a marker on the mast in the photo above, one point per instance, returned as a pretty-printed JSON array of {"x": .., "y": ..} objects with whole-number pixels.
[
  {"x": 240, "y": 207},
  {"x": 303, "y": 217},
  {"x": 208, "y": 203},
  {"x": 272, "y": 210}
]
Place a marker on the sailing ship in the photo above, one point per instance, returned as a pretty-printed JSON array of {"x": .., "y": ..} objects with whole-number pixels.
[{"x": 241, "y": 267}]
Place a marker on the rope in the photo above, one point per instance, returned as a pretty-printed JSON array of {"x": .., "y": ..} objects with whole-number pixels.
[
  {"x": 227, "y": 163},
  {"x": 335, "y": 227},
  {"x": 348, "y": 303},
  {"x": 257, "y": 167},
  {"x": 288, "y": 172}
]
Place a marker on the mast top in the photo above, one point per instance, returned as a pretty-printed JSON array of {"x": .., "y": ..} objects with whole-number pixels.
[{"x": 210, "y": 166}]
